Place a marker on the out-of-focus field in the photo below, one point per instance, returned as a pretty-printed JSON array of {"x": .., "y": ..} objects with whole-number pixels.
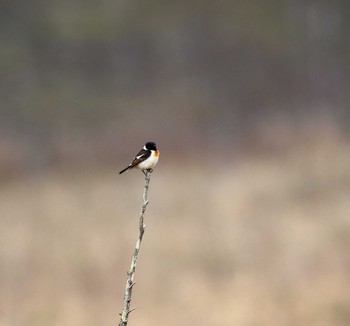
[{"x": 254, "y": 240}]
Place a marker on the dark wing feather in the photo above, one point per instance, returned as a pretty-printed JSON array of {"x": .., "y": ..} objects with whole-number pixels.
[{"x": 140, "y": 157}]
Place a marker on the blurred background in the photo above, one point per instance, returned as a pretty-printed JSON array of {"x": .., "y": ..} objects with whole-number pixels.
[{"x": 248, "y": 102}]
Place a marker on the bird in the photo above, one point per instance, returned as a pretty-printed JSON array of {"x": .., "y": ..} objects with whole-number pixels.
[{"x": 146, "y": 159}]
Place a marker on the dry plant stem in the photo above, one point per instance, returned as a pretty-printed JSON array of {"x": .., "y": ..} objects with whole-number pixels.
[{"x": 124, "y": 315}]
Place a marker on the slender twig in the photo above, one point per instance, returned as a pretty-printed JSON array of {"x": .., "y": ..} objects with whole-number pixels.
[{"x": 124, "y": 315}]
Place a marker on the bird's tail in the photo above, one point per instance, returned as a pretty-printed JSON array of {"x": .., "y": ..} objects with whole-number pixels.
[{"x": 127, "y": 168}]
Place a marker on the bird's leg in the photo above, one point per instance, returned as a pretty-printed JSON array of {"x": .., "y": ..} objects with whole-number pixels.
[{"x": 148, "y": 170}]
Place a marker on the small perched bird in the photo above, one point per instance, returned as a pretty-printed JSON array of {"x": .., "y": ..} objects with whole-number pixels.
[{"x": 146, "y": 159}]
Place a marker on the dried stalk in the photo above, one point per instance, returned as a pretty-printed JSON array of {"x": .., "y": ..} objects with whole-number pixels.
[{"x": 124, "y": 315}]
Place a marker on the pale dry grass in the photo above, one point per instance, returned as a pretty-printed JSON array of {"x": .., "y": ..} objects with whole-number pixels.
[{"x": 259, "y": 241}]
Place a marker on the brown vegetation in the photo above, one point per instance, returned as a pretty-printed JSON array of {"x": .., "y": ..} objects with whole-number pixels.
[{"x": 258, "y": 241}]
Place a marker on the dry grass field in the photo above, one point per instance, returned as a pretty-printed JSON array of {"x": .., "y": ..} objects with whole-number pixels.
[{"x": 254, "y": 241}]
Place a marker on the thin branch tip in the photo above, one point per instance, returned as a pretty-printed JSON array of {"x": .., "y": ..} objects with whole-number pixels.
[
  {"x": 131, "y": 273},
  {"x": 131, "y": 310}
]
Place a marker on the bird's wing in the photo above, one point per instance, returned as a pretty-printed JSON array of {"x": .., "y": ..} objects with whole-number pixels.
[{"x": 140, "y": 157}]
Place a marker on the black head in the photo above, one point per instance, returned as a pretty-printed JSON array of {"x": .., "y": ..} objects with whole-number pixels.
[{"x": 151, "y": 146}]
